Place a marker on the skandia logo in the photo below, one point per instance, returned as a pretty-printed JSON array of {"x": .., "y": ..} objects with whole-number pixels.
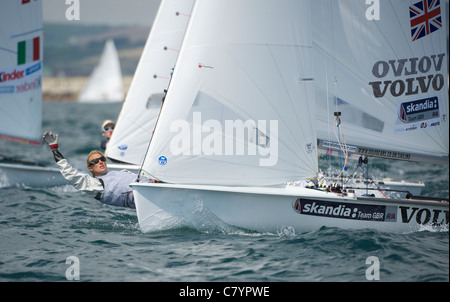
[
  {"x": 345, "y": 210},
  {"x": 10, "y": 76},
  {"x": 422, "y": 105},
  {"x": 329, "y": 210},
  {"x": 412, "y": 108},
  {"x": 323, "y": 209}
]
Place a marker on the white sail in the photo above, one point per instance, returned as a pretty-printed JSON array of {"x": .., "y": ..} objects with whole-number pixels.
[
  {"x": 21, "y": 63},
  {"x": 383, "y": 65},
  {"x": 105, "y": 83},
  {"x": 21, "y": 54},
  {"x": 237, "y": 111},
  {"x": 275, "y": 61},
  {"x": 140, "y": 110}
]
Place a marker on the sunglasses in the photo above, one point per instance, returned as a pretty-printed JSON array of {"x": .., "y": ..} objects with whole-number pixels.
[
  {"x": 95, "y": 161},
  {"x": 108, "y": 128}
]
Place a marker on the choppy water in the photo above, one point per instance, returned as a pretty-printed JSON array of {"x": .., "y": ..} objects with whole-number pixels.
[{"x": 42, "y": 228}]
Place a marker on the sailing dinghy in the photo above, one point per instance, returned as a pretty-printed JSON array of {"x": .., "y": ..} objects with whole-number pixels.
[
  {"x": 137, "y": 118},
  {"x": 21, "y": 56},
  {"x": 238, "y": 121},
  {"x": 105, "y": 83},
  {"x": 140, "y": 110}
]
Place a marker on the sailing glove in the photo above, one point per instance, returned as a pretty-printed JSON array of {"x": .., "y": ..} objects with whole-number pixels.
[{"x": 52, "y": 141}]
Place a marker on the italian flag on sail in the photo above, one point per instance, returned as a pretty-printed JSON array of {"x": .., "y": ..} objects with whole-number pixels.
[{"x": 28, "y": 51}]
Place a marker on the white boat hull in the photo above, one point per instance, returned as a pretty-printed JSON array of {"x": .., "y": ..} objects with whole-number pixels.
[
  {"x": 31, "y": 176},
  {"x": 263, "y": 209}
]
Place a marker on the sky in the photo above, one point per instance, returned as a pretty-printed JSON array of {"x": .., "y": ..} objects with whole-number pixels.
[{"x": 110, "y": 12}]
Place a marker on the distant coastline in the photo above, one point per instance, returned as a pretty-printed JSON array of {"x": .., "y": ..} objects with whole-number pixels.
[{"x": 67, "y": 89}]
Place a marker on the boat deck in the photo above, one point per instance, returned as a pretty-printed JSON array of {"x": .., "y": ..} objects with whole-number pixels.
[{"x": 413, "y": 200}]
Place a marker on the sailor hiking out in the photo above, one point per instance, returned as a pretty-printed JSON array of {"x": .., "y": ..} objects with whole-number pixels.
[{"x": 111, "y": 188}]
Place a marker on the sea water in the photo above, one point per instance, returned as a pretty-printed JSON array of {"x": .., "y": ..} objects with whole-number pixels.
[{"x": 60, "y": 234}]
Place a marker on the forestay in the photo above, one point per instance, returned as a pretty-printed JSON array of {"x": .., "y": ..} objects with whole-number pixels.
[{"x": 238, "y": 109}]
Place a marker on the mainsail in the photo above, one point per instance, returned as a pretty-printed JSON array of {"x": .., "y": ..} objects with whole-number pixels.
[
  {"x": 238, "y": 109},
  {"x": 21, "y": 54},
  {"x": 142, "y": 105},
  {"x": 384, "y": 69},
  {"x": 105, "y": 83}
]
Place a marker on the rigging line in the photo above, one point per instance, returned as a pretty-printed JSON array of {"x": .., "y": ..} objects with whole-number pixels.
[
  {"x": 326, "y": 85},
  {"x": 286, "y": 90},
  {"x": 8, "y": 50},
  {"x": 141, "y": 166},
  {"x": 342, "y": 146},
  {"x": 360, "y": 162},
  {"x": 333, "y": 45},
  {"x": 27, "y": 33}
]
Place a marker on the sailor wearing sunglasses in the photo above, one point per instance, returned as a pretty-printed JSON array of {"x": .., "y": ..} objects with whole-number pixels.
[{"x": 108, "y": 187}]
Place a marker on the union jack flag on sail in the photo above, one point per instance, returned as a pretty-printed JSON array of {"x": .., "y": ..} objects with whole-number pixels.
[
  {"x": 425, "y": 18},
  {"x": 403, "y": 117}
]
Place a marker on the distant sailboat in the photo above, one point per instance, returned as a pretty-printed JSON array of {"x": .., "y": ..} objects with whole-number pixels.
[
  {"x": 105, "y": 83},
  {"x": 21, "y": 45},
  {"x": 240, "y": 116}
]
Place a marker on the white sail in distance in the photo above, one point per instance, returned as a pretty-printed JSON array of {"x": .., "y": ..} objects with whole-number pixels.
[{"x": 105, "y": 83}]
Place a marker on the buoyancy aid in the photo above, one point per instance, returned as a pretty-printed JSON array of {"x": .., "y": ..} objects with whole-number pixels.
[{"x": 117, "y": 190}]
